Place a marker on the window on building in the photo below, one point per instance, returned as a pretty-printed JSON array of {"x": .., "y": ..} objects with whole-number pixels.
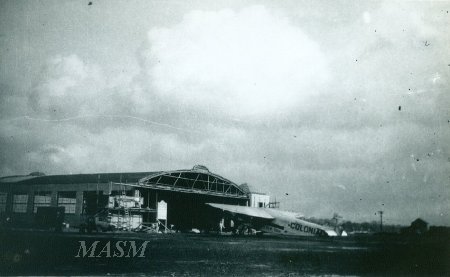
[
  {"x": 261, "y": 204},
  {"x": 67, "y": 199},
  {"x": 20, "y": 202},
  {"x": 42, "y": 199},
  {"x": 3, "y": 197}
]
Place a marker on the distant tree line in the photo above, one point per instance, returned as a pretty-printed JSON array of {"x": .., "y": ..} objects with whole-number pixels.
[{"x": 348, "y": 226}]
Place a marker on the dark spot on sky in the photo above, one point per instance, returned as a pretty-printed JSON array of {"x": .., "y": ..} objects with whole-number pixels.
[
  {"x": 387, "y": 182},
  {"x": 90, "y": 3},
  {"x": 287, "y": 193},
  {"x": 295, "y": 136},
  {"x": 427, "y": 43},
  {"x": 417, "y": 159},
  {"x": 356, "y": 60},
  {"x": 399, "y": 108},
  {"x": 375, "y": 30}
]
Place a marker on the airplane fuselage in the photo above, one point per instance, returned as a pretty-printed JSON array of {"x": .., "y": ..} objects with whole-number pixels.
[
  {"x": 275, "y": 221},
  {"x": 291, "y": 226}
]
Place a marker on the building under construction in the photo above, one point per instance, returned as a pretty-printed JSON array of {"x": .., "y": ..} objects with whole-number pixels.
[{"x": 174, "y": 199}]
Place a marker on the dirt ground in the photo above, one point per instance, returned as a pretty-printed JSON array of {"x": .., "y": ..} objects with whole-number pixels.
[{"x": 43, "y": 253}]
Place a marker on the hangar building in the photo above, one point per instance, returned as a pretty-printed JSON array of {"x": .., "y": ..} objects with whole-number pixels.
[{"x": 183, "y": 192}]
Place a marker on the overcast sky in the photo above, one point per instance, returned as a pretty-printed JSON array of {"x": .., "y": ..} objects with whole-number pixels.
[{"x": 327, "y": 106}]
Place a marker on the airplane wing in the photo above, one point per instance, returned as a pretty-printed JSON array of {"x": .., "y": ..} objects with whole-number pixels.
[
  {"x": 265, "y": 219},
  {"x": 243, "y": 210}
]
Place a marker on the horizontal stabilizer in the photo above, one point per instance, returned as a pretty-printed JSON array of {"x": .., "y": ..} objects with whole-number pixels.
[{"x": 331, "y": 233}]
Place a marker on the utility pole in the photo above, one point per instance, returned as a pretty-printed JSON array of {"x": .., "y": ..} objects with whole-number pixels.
[{"x": 381, "y": 220}]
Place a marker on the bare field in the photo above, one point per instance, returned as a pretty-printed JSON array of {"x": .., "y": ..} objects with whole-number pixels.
[{"x": 43, "y": 253}]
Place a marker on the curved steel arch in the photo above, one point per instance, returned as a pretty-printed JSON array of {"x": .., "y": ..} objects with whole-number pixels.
[{"x": 193, "y": 181}]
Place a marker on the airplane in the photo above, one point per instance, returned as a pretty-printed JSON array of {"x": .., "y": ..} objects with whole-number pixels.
[{"x": 273, "y": 221}]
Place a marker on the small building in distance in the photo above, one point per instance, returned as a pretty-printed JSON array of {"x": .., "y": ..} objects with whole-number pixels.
[
  {"x": 417, "y": 227},
  {"x": 257, "y": 199}
]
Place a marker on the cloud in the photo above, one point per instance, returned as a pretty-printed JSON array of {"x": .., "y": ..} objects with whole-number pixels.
[
  {"x": 67, "y": 86},
  {"x": 366, "y": 17},
  {"x": 64, "y": 149},
  {"x": 247, "y": 62}
]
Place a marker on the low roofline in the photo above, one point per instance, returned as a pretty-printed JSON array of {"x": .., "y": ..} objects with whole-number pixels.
[
  {"x": 132, "y": 177},
  {"x": 259, "y": 193}
]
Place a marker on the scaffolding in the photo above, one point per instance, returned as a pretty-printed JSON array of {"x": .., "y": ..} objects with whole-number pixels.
[{"x": 122, "y": 212}]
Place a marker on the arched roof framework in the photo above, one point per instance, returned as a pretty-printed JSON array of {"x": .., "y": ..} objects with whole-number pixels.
[{"x": 193, "y": 181}]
